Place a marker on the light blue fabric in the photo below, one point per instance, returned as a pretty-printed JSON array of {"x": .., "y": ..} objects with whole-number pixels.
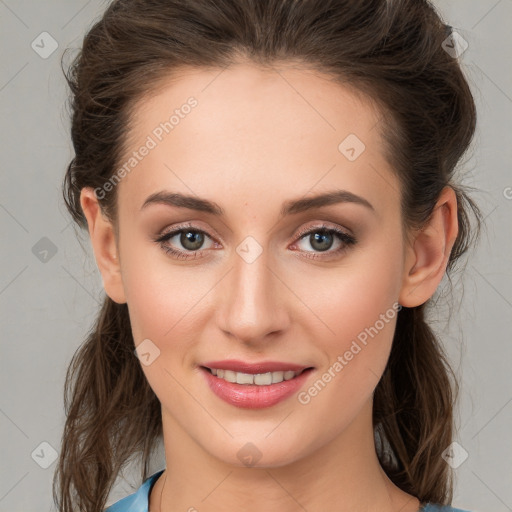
[
  {"x": 429, "y": 507},
  {"x": 139, "y": 500}
]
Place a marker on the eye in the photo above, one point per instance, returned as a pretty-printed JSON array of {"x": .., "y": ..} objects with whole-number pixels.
[
  {"x": 191, "y": 239},
  {"x": 321, "y": 239}
]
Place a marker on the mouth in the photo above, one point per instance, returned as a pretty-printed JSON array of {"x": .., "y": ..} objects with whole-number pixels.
[
  {"x": 254, "y": 385},
  {"x": 257, "y": 379}
]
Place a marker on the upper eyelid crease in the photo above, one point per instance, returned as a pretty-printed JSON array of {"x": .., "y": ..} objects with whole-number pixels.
[{"x": 289, "y": 207}]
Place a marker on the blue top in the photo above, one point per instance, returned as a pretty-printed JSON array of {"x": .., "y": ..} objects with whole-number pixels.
[{"x": 139, "y": 500}]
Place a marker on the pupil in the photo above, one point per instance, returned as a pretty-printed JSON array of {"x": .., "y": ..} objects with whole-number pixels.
[{"x": 321, "y": 238}]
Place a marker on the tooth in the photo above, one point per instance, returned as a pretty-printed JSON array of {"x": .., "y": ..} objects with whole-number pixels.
[
  {"x": 244, "y": 378},
  {"x": 259, "y": 379},
  {"x": 277, "y": 377},
  {"x": 263, "y": 378},
  {"x": 230, "y": 375}
]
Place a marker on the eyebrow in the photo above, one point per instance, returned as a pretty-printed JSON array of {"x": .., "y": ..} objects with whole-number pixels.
[{"x": 289, "y": 207}]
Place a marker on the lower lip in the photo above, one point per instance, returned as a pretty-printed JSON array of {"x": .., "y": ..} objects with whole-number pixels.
[{"x": 252, "y": 396}]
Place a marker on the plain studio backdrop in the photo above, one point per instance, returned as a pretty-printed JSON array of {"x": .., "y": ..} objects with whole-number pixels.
[{"x": 50, "y": 288}]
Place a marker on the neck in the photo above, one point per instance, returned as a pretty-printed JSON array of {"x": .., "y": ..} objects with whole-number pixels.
[{"x": 343, "y": 475}]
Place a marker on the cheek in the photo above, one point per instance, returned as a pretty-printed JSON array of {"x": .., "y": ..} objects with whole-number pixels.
[
  {"x": 163, "y": 301},
  {"x": 355, "y": 296},
  {"x": 153, "y": 306},
  {"x": 355, "y": 310},
  {"x": 163, "y": 308},
  {"x": 151, "y": 293}
]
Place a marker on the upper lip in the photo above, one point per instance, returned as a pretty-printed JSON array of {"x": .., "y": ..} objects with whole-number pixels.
[{"x": 254, "y": 368}]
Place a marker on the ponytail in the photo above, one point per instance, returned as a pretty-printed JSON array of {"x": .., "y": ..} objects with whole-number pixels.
[
  {"x": 413, "y": 410},
  {"x": 105, "y": 389}
]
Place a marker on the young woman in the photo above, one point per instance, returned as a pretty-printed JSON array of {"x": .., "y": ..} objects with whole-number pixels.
[{"x": 269, "y": 190}]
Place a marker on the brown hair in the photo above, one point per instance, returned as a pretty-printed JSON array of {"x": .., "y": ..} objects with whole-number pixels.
[{"x": 390, "y": 51}]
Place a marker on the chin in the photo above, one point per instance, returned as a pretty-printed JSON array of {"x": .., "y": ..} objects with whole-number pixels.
[{"x": 257, "y": 451}]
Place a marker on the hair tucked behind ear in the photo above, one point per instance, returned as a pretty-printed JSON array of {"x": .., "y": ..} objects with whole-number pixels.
[
  {"x": 389, "y": 51},
  {"x": 415, "y": 398}
]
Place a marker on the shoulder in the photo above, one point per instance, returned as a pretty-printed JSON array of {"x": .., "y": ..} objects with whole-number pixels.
[
  {"x": 432, "y": 507},
  {"x": 139, "y": 500}
]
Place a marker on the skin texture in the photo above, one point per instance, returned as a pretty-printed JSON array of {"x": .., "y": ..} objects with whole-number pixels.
[{"x": 256, "y": 139}]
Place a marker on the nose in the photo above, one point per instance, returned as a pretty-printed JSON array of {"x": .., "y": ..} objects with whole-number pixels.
[{"x": 251, "y": 302}]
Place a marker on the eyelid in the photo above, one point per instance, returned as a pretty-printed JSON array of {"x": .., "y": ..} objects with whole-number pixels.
[
  {"x": 186, "y": 225},
  {"x": 323, "y": 225}
]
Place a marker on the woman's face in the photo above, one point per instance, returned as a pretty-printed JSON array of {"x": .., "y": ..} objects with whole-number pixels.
[{"x": 255, "y": 279}]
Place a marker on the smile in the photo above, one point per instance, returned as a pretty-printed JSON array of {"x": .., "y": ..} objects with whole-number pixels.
[
  {"x": 254, "y": 385},
  {"x": 258, "y": 379}
]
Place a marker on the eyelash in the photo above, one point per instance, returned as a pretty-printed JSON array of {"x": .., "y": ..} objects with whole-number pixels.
[{"x": 346, "y": 239}]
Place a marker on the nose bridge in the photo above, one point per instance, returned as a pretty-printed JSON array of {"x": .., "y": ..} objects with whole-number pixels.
[{"x": 250, "y": 298}]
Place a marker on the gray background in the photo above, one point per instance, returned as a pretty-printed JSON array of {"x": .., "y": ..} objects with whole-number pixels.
[{"x": 48, "y": 301}]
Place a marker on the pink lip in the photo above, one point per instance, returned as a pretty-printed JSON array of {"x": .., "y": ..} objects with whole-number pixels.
[
  {"x": 252, "y": 396},
  {"x": 263, "y": 367}
]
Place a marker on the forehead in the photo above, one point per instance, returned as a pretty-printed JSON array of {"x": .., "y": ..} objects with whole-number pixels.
[{"x": 246, "y": 131}]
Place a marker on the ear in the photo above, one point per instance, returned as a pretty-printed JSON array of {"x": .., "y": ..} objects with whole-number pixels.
[
  {"x": 428, "y": 253},
  {"x": 104, "y": 245}
]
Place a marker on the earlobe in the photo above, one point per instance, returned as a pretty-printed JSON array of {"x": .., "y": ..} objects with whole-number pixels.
[
  {"x": 428, "y": 254},
  {"x": 103, "y": 241}
]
